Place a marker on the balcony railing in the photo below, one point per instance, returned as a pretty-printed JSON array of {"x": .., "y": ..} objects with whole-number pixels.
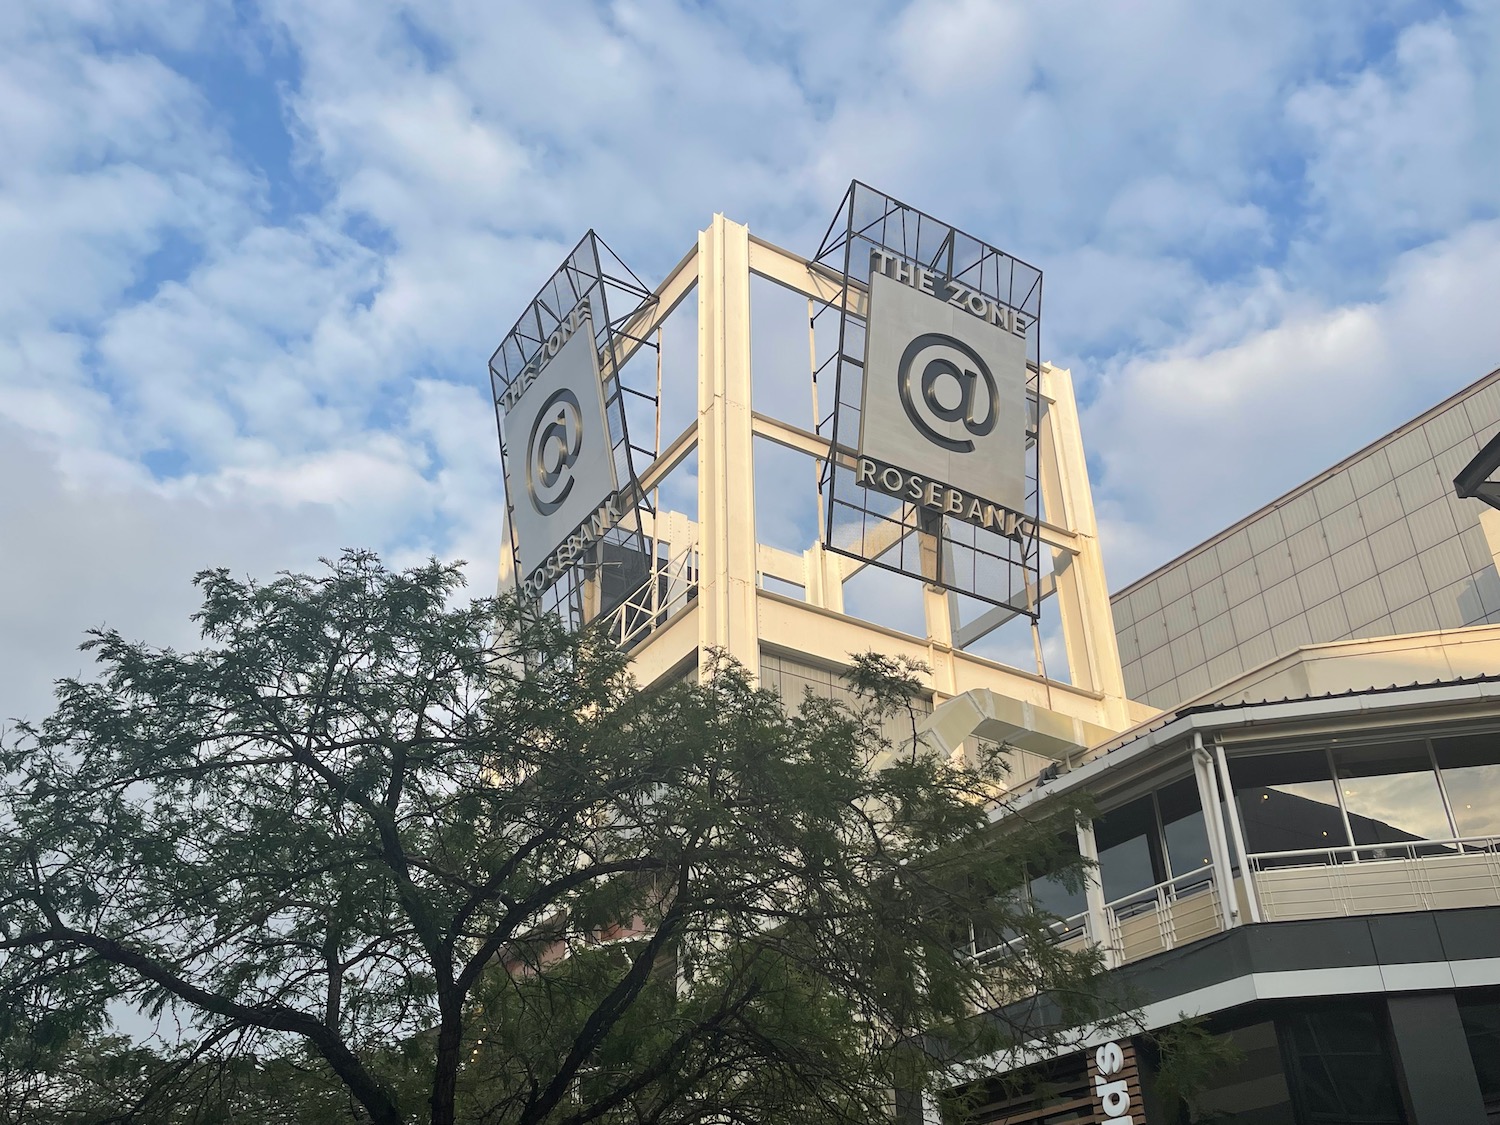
[
  {"x": 1163, "y": 917},
  {"x": 672, "y": 584},
  {"x": 1378, "y": 878},
  {"x": 1067, "y": 932}
]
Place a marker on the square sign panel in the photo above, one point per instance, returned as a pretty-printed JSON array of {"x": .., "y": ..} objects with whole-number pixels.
[
  {"x": 944, "y": 385},
  {"x": 559, "y": 465}
]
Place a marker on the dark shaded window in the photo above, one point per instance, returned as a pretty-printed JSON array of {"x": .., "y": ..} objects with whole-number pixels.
[
  {"x": 1129, "y": 851},
  {"x": 1339, "y": 1068},
  {"x": 1184, "y": 832},
  {"x": 1391, "y": 794},
  {"x": 1287, "y": 802},
  {"x": 1471, "y": 774},
  {"x": 1254, "y": 1091},
  {"x": 1482, "y": 1030},
  {"x": 1049, "y": 894}
]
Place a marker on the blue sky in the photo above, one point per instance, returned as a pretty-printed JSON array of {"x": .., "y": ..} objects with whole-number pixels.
[{"x": 257, "y": 253}]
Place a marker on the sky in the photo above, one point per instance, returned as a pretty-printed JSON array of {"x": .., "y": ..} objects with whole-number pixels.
[{"x": 256, "y": 255}]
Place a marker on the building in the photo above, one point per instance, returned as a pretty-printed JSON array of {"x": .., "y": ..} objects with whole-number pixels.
[
  {"x": 1303, "y": 847},
  {"x": 1309, "y": 857},
  {"x": 1378, "y": 544}
]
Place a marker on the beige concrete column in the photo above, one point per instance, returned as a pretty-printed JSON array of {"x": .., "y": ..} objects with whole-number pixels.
[
  {"x": 726, "y": 491},
  {"x": 1082, "y": 590}
]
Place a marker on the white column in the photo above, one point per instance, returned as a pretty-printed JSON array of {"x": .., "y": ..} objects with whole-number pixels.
[
  {"x": 1213, "y": 826},
  {"x": 1082, "y": 590},
  {"x": 1237, "y": 833},
  {"x": 1094, "y": 896},
  {"x": 726, "y": 489}
]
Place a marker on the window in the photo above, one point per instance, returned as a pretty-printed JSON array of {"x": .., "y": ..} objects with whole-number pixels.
[
  {"x": 1158, "y": 838},
  {"x": 1129, "y": 849},
  {"x": 1391, "y": 793},
  {"x": 1049, "y": 894},
  {"x": 1288, "y": 802},
  {"x": 1183, "y": 832},
  {"x": 1340, "y": 1069},
  {"x": 1482, "y": 1030},
  {"x": 1253, "y": 1091},
  {"x": 1471, "y": 774}
]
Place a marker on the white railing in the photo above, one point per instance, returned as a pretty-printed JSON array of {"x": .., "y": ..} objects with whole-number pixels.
[
  {"x": 670, "y": 586},
  {"x": 1065, "y": 931},
  {"x": 1163, "y": 917},
  {"x": 1378, "y": 878}
]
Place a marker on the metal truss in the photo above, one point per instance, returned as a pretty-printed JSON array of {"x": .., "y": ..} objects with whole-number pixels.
[
  {"x": 622, "y": 304},
  {"x": 867, "y": 524}
]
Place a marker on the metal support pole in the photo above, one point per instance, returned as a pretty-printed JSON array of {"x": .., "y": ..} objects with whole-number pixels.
[
  {"x": 1093, "y": 893},
  {"x": 1218, "y": 840},
  {"x": 1252, "y": 900}
]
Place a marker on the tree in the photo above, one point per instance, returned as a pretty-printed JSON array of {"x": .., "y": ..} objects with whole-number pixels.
[{"x": 447, "y": 861}]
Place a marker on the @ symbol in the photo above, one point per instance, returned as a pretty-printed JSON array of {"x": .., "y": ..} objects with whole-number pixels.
[
  {"x": 555, "y": 443},
  {"x": 931, "y": 357}
]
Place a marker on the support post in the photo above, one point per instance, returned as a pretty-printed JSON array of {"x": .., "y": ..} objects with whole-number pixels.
[
  {"x": 1093, "y": 893},
  {"x": 1252, "y": 900},
  {"x": 1213, "y": 824},
  {"x": 1082, "y": 591},
  {"x": 726, "y": 489}
]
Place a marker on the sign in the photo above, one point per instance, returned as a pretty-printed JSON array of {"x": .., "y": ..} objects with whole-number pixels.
[
  {"x": 559, "y": 466},
  {"x": 936, "y": 375},
  {"x": 1117, "y": 1090},
  {"x": 943, "y": 412}
]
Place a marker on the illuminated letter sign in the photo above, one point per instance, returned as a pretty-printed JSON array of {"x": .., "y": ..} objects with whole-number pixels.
[
  {"x": 559, "y": 466},
  {"x": 944, "y": 396}
]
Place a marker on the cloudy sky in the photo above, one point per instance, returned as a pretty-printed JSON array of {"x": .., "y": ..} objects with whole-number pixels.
[{"x": 255, "y": 255}]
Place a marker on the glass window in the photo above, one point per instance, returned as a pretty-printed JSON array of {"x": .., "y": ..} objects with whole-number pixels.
[
  {"x": 1129, "y": 854},
  {"x": 1339, "y": 1068},
  {"x": 1287, "y": 802},
  {"x": 1391, "y": 793},
  {"x": 1482, "y": 1030},
  {"x": 1048, "y": 894},
  {"x": 1182, "y": 826},
  {"x": 1471, "y": 774},
  {"x": 1253, "y": 1091}
]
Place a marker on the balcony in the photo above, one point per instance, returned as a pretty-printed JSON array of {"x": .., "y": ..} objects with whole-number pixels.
[{"x": 1377, "y": 879}]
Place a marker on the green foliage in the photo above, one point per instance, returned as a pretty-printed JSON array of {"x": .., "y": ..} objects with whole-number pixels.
[{"x": 390, "y": 856}]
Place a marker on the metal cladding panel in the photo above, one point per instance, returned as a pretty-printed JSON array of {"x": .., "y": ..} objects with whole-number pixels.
[
  {"x": 944, "y": 394},
  {"x": 562, "y": 468}
]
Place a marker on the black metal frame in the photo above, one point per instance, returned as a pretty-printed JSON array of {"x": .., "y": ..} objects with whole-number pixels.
[
  {"x": 972, "y": 561},
  {"x": 591, "y": 270},
  {"x": 1473, "y": 480}
]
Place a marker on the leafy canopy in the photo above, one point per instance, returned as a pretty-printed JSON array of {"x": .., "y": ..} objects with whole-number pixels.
[{"x": 445, "y": 861}]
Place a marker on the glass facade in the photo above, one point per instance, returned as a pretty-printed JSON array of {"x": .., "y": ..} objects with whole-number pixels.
[
  {"x": 1481, "y": 1018},
  {"x": 1470, "y": 769},
  {"x": 1340, "y": 1068},
  {"x": 1376, "y": 546},
  {"x": 1288, "y": 802},
  {"x": 1151, "y": 840},
  {"x": 1316, "y": 1066},
  {"x": 1369, "y": 795}
]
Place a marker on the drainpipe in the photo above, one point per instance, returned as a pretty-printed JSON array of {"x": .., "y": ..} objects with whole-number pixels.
[
  {"x": 1252, "y": 900},
  {"x": 1213, "y": 822}
]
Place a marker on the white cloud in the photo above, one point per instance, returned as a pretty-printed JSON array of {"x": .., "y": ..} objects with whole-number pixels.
[
  {"x": 1190, "y": 438},
  {"x": 1255, "y": 236}
]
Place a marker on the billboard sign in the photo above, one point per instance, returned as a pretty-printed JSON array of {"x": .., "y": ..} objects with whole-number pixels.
[
  {"x": 943, "y": 413},
  {"x": 565, "y": 390},
  {"x": 933, "y": 470},
  {"x": 560, "y": 472}
]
